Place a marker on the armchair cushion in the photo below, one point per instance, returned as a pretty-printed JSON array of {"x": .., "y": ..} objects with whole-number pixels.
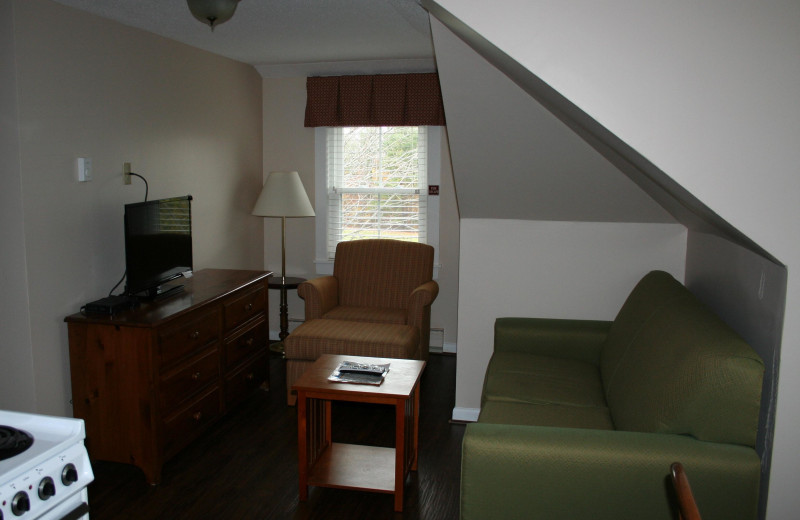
[{"x": 367, "y": 314}]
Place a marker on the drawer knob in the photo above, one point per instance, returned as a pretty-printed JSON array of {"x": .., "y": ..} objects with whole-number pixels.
[
  {"x": 248, "y": 342},
  {"x": 195, "y": 376},
  {"x": 197, "y": 416},
  {"x": 248, "y": 307},
  {"x": 250, "y": 376},
  {"x": 195, "y": 334}
]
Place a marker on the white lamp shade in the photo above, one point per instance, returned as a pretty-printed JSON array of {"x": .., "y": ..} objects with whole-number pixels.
[{"x": 283, "y": 195}]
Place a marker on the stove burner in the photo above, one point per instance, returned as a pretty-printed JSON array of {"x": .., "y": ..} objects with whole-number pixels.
[{"x": 13, "y": 441}]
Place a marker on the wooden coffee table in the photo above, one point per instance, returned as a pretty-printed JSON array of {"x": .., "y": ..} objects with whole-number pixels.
[{"x": 349, "y": 466}]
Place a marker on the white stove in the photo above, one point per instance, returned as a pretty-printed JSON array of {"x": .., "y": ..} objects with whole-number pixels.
[{"x": 48, "y": 479}]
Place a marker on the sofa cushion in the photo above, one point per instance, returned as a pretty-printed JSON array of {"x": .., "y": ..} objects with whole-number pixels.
[
  {"x": 652, "y": 293},
  {"x": 684, "y": 371},
  {"x": 367, "y": 314},
  {"x": 526, "y": 378},
  {"x": 541, "y": 414}
]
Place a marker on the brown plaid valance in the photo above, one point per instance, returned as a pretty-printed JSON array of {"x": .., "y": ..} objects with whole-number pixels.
[{"x": 380, "y": 100}]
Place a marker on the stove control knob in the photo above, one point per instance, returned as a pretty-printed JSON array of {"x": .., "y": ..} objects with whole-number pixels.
[
  {"x": 47, "y": 488},
  {"x": 20, "y": 504},
  {"x": 69, "y": 475}
]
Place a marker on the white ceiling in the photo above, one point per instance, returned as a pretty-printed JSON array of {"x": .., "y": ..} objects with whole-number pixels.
[{"x": 276, "y": 34}]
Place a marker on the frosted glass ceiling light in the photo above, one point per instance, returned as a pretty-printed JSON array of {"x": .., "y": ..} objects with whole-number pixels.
[{"x": 212, "y": 12}]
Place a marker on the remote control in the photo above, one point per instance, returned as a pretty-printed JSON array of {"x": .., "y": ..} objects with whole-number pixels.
[{"x": 361, "y": 369}]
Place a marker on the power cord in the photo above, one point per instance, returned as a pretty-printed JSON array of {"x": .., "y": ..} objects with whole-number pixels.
[
  {"x": 146, "y": 193},
  {"x": 146, "y": 187},
  {"x": 111, "y": 292}
]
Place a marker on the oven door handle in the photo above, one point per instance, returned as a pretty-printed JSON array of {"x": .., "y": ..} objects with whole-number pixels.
[{"x": 77, "y": 513}]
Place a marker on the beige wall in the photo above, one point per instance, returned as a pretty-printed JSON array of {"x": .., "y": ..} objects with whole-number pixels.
[
  {"x": 288, "y": 145},
  {"x": 189, "y": 121},
  {"x": 16, "y": 357}
]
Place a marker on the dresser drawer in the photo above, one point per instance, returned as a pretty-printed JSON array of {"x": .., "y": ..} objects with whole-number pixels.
[
  {"x": 187, "y": 379},
  {"x": 239, "y": 309},
  {"x": 246, "y": 343},
  {"x": 189, "y": 336},
  {"x": 246, "y": 379},
  {"x": 186, "y": 424}
]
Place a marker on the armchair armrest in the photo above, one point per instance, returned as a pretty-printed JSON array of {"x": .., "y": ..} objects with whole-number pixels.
[
  {"x": 421, "y": 297},
  {"x": 511, "y": 471},
  {"x": 574, "y": 339},
  {"x": 320, "y": 295}
]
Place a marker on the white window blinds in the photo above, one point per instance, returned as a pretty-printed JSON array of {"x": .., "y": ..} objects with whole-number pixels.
[{"x": 376, "y": 184}]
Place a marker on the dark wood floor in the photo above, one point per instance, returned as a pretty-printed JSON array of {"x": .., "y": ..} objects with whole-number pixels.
[{"x": 246, "y": 467}]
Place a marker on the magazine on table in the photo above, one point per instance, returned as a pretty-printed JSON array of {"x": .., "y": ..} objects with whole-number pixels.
[{"x": 359, "y": 373}]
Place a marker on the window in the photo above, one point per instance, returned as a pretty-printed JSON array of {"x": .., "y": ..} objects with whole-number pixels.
[
  {"x": 377, "y": 184},
  {"x": 372, "y": 182}
]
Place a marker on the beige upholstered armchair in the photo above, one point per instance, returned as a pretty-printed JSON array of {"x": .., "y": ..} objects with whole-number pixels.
[{"x": 376, "y": 303}]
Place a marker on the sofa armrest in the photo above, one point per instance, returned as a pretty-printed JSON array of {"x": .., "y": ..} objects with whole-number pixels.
[
  {"x": 574, "y": 339},
  {"x": 320, "y": 295},
  {"x": 525, "y": 472}
]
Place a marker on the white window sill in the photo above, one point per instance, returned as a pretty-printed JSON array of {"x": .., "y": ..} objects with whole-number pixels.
[{"x": 325, "y": 267}]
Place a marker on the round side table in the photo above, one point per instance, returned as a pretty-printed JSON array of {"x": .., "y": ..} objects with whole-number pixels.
[{"x": 283, "y": 284}]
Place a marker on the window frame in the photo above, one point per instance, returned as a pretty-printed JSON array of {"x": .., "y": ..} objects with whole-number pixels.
[{"x": 324, "y": 265}]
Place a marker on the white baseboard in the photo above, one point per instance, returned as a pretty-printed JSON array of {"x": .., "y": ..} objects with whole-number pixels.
[
  {"x": 466, "y": 414},
  {"x": 436, "y": 338}
]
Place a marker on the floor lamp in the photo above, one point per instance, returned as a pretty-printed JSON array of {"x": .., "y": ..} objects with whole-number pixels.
[{"x": 284, "y": 196}]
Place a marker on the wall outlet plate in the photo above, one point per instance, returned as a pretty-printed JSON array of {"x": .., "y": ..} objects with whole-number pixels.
[{"x": 84, "y": 165}]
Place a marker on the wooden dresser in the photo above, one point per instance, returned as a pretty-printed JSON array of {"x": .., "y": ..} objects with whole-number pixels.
[{"x": 149, "y": 380}]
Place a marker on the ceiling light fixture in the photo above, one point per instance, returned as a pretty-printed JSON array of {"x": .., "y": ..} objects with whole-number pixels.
[{"x": 212, "y": 12}]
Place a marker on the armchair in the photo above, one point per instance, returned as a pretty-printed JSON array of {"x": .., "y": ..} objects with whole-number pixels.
[{"x": 376, "y": 303}]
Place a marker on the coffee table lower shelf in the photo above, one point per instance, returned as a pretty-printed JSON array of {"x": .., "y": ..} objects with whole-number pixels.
[
  {"x": 354, "y": 466},
  {"x": 322, "y": 462}
]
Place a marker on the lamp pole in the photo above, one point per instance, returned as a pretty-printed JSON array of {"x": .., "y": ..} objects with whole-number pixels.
[
  {"x": 284, "y": 305},
  {"x": 283, "y": 195}
]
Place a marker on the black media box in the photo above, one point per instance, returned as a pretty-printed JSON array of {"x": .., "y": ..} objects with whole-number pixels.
[{"x": 109, "y": 305}]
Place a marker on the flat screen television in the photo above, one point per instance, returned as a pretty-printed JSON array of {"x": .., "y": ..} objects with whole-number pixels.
[{"x": 158, "y": 245}]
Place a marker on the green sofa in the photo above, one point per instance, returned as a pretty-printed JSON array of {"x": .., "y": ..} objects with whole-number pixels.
[{"x": 582, "y": 419}]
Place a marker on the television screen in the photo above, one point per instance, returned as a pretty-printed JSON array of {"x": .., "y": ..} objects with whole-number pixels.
[{"x": 158, "y": 243}]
